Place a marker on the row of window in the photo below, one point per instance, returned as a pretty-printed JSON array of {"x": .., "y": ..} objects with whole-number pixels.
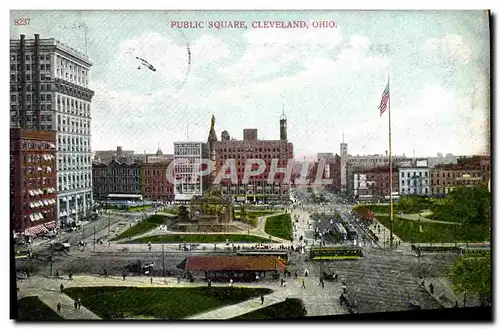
[
  {"x": 32, "y": 87},
  {"x": 423, "y": 182},
  {"x": 116, "y": 172},
  {"x": 38, "y": 182},
  {"x": 36, "y": 145},
  {"x": 43, "y": 97},
  {"x": 16, "y": 57},
  {"x": 252, "y": 149},
  {"x": 29, "y": 67},
  {"x": 159, "y": 189},
  {"x": 415, "y": 191},
  {"x": 18, "y": 78}
]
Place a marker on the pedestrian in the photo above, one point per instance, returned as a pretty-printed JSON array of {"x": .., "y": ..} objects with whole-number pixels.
[
  {"x": 76, "y": 304},
  {"x": 344, "y": 289},
  {"x": 79, "y": 303},
  {"x": 303, "y": 285},
  {"x": 209, "y": 283},
  {"x": 57, "y": 274},
  {"x": 123, "y": 275},
  {"x": 296, "y": 275},
  {"x": 431, "y": 288},
  {"x": 261, "y": 299},
  {"x": 179, "y": 279},
  {"x": 322, "y": 284},
  {"x": 230, "y": 283},
  {"x": 58, "y": 307},
  {"x": 151, "y": 280},
  {"x": 61, "y": 287},
  {"x": 282, "y": 282},
  {"x": 165, "y": 280},
  {"x": 70, "y": 275},
  {"x": 109, "y": 244}
]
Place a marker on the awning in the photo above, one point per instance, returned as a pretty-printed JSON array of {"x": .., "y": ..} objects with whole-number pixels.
[
  {"x": 40, "y": 191},
  {"x": 45, "y": 202},
  {"x": 49, "y": 170},
  {"x": 52, "y": 145},
  {"x": 73, "y": 211},
  {"x": 34, "y": 230},
  {"x": 32, "y": 217},
  {"x": 50, "y": 225},
  {"x": 64, "y": 199},
  {"x": 31, "y": 192}
]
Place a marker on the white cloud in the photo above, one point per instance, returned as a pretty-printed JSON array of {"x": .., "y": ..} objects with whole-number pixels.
[
  {"x": 269, "y": 50},
  {"x": 317, "y": 73},
  {"x": 452, "y": 45}
]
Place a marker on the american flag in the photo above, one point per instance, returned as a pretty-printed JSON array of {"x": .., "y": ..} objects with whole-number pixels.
[{"x": 385, "y": 99}]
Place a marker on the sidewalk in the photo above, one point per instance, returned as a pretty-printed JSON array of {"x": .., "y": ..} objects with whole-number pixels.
[
  {"x": 442, "y": 291},
  {"x": 316, "y": 300}
]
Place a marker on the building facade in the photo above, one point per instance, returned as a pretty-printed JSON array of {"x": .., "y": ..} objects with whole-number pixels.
[
  {"x": 415, "y": 179},
  {"x": 154, "y": 182},
  {"x": 373, "y": 183},
  {"x": 187, "y": 162},
  {"x": 444, "y": 178},
  {"x": 351, "y": 164},
  {"x": 33, "y": 188},
  {"x": 116, "y": 178},
  {"x": 49, "y": 91}
]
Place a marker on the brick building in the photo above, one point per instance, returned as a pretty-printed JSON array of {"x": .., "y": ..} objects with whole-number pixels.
[
  {"x": 257, "y": 189},
  {"x": 33, "y": 181},
  {"x": 116, "y": 177},
  {"x": 444, "y": 178},
  {"x": 331, "y": 170},
  {"x": 154, "y": 183},
  {"x": 373, "y": 183}
]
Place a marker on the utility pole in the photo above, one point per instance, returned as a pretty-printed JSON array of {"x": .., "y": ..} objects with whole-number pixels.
[
  {"x": 83, "y": 237},
  {"x": 163, "y": 258},
  {"x": 51, "y": 256},
  {"x": 109, "y": 226},
  {"x": 93, "y": 247}
]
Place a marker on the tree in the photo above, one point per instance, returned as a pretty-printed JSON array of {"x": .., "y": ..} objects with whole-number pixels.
[
  {"x": 472, "y": 276},
  {"x": 183, "y": 212}
]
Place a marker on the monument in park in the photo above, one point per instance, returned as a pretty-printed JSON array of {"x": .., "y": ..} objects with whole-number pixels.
[{"x": 208, "y": 213}]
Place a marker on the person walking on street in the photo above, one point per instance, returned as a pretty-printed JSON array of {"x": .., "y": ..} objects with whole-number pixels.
[
  {"x": 303, "y": 285},
  {"x": 322, "y": 284},
  {"x": 151, "y": 280},
  {"x": 76, "y": 304},
  {"x": 262, "y": 300},
  {"x": 123, "y": 275},
  {"x": 61, "y": 287},
  {"x": 79, "y": 303},
  {"x": 230, "y": 283},
  {"x": 59, "y": 308},
  {"x": 296, "y": 275},
  {"x": 179, "y": 279},
  {"x": 57, "y": 274}
]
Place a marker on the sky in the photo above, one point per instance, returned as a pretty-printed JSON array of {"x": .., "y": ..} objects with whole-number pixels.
[{"x": 328, "y": 81}]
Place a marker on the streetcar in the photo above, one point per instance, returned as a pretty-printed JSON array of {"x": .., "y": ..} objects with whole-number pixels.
[
  {"x": 335, "y": 253},
  {"x": 340, "y": 231},
  {"x": 352, "y": 234}
]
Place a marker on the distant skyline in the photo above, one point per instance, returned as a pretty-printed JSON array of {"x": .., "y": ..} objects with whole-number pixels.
[{"x": 329, "y": 80}]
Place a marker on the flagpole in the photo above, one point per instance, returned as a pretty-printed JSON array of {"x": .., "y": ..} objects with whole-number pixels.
[{"x": 390, "y": 163}]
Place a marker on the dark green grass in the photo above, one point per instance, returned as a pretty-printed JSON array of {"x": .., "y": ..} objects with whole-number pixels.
[
  {"x": 146, "y": 225},
  {"x": 290, "y": 308},
  {"x": 159, "y": 303},
  {"x": 409, "y": 231},
  {"x": 280, "y": 226},
  {"x": 200, "y": 238},
  {"x": 33, "y": 309}
]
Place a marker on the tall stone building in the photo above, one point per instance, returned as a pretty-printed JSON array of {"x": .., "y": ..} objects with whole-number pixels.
[{"x": 49, "y": 91}]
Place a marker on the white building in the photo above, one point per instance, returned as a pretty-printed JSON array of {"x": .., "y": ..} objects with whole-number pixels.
[
  {"x": 49, "y": 91},
  {"x": 187, "y": 160},
  {"x": 415, "y": 179}
]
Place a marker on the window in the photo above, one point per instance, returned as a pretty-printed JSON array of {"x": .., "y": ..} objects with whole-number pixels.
[
  {"x": 12, "y": 77},
  {"x": 42, "y": 97},
  {"x": 13, "y": 98},
  {"x": 28, "y": 57},
  {"x": 48, "y": 98}
]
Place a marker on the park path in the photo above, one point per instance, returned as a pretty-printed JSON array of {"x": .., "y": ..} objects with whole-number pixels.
[
  {"x": 415, "y": 218},
  {"x": 316, "y": 300}
]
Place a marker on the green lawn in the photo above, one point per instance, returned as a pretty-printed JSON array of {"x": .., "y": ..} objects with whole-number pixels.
[
  {"x": 200, "y": 238},
  {"x": 159, "y": 303},
  {"x": 139, "y": 208},
  {"x": 280, "y": 226},
  {"x": 33, "y": 309},
  {"x": 146, "y": 225},
  {"x": 290, "y": 308},
  {"x": 409, "y": 231}
]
